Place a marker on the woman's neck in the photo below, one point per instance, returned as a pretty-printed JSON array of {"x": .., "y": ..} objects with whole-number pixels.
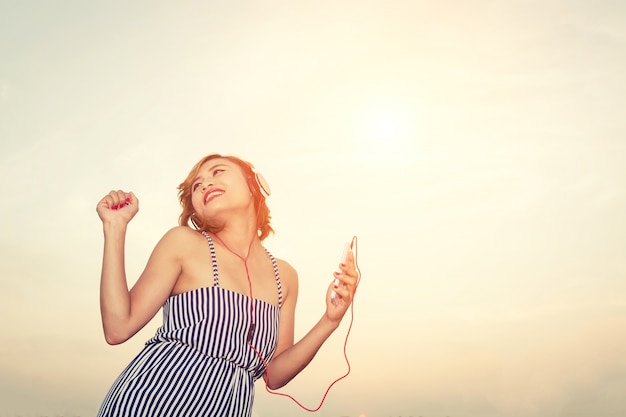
[{"x": 239, "y": 236}]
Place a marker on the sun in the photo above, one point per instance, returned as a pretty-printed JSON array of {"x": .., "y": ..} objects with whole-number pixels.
[{"x": 388, "y": 128}]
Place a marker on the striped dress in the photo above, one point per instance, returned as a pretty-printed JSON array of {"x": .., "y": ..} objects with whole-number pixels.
[{"x": 199, "y": 362}]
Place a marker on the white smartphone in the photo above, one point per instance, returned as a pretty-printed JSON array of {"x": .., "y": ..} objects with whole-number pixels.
[{"x": 334, "y": 298}]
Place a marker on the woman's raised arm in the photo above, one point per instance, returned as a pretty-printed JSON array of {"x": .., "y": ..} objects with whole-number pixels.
[{"x": 125, "y": 312}]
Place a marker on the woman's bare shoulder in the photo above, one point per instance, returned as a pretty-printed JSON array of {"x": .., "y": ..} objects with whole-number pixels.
[
  {"x": 288, "y": 273},
  {"x": 179, "y": 237},
  {"x": 182, "y": 231}
]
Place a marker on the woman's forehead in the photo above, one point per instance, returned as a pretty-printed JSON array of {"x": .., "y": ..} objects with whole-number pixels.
[{"x": 208, "y": 165}]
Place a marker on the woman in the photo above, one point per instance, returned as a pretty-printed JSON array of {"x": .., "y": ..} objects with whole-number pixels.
[{"x": 228, "y": 304}]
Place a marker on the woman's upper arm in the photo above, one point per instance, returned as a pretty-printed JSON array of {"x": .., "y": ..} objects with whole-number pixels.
[
  {"x": 155, "y": 284},
  {"x": 289, "y": 280}
]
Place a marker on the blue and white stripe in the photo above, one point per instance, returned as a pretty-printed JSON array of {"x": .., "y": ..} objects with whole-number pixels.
[{"x": 199, "y": 363}]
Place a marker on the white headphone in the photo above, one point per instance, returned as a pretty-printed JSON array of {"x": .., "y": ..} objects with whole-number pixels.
[{"x": 262, "y": 184}]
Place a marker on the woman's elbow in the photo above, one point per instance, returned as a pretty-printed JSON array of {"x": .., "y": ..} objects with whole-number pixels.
[
  {"x": 275, "y": 383},
  {"x": 274, "y": 386},
  {"x": 113, "y": 341},
  {"x": 115, "y": 338}
]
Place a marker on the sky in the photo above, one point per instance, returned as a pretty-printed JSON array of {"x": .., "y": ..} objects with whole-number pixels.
[{"x": 474, "y": 148}]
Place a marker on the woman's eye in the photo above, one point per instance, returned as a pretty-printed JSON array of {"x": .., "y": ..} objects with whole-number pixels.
[
  {"x": 195, "y": 186},
  {"x": 217, "y": 171}
]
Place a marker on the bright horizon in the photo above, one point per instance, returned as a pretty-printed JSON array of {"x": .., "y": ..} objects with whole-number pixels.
[{"x": 476, "y": 150}]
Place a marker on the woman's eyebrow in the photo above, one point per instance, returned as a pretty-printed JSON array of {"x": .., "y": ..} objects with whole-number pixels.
[
  {"x": 211, "y": 168},
  {"x": 216, "y": 165}
]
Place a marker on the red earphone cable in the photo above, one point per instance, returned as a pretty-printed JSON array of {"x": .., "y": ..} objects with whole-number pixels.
[
  {"x": 345, "y": 354},
  {"x": 265, "y": 364}
]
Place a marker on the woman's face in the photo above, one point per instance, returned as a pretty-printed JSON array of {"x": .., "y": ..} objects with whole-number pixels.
[{"x": 220, "y": 186}]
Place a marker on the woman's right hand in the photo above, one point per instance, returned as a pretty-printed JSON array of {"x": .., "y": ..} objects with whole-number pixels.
[{"x": 118, "y": 207}]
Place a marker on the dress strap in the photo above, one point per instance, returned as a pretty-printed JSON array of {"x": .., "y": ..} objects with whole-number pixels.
[
  {"x": 216, "y": 279},
  {"x": 277, "y": 275}
]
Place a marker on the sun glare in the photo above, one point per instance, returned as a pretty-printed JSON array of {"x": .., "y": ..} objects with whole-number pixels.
[
  {"x": 386, "y": 127},
  {"x": 389, "y": 125}
]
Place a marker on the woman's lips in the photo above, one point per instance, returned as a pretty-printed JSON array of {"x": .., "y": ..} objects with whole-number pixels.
[{"x": 212, "y": 194}]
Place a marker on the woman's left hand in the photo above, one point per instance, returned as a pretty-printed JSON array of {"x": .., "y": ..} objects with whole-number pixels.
[{"x": 349, "y": 279}]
